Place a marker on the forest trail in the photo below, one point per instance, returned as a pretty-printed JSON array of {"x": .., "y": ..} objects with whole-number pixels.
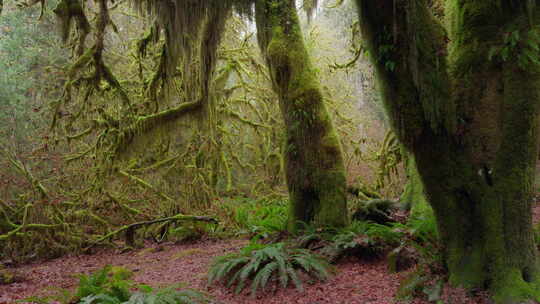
[{"x": 356, "y": 282}]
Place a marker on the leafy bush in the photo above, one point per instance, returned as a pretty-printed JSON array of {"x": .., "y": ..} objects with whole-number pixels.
[
  {"x": 262, "y": 264},
  {"x": 111, "y": 285}
]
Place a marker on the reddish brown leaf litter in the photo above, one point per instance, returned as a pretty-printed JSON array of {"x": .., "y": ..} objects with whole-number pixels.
[{"x": 355, "y": 282}]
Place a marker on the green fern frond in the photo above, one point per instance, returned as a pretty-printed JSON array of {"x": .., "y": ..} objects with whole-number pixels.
[
  {"x": 295, "y": 279},
  {"x": 275, "y": 262},
  {"x": 169, "y": 296},
  {"x": 261, "y": 278}
]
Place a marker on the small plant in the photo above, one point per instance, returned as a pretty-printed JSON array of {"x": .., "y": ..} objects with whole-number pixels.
[
  {"x": 259, "y": 219},
  {"x": 365, "y": 239},
  {"x": 107, "y": 283},
  {"x": 111, "y": 285},
  {"x": 262, "y": 264}
]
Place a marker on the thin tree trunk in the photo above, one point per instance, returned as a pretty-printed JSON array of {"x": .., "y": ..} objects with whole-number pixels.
[
  {"x": 313, "y": 160},
  {"x": 475, "y": 147}
]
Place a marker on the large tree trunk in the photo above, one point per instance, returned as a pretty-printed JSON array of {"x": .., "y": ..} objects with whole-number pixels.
[
  {"x": 313, "y": 160},
  {"x": 475, "y": 147}
]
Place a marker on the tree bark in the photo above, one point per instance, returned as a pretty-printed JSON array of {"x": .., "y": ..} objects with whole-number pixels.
[
  {"x": 313, "y": 161},
  {"x": 413, "y": 195},
  {"x": 468, "y": 112}
]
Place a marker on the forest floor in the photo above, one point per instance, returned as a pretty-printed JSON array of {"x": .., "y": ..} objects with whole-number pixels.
[{"x": 362, "y": 282}]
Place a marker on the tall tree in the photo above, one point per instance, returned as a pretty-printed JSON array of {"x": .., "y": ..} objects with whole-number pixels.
[
  {"x": 465, "y": 104},
  {"x": 314, "y": 167}
]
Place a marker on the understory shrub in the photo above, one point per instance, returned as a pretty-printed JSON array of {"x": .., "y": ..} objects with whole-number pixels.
[
  {"x": 112, "y": 285},
  {"x": 275, "y": 264},
  {"x": 360, "y": 238},
  {"x": 257, "y": 218}
]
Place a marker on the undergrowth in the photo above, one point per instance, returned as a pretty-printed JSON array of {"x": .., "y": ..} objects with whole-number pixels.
[
  {"x": 276, "y": 265},
  {"x": 112, "y": 285},
  {"x": 256, "y": 218}
]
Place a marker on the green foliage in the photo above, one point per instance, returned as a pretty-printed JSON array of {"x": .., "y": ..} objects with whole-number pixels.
[
  {"x": 367, "y": 239},
  {"x": 262, "y": 264},
  {"x": 523, "y": 47},
  {"x": 111, "y": 285},
  {"x": 258, "y": 218},
  {"x": 419, "y": 285},
  {"x": 411, "y": 286},
  {"x": 107, "y": 283},
  {"x": 26, "y": 52},
  {"x": 164, "y": 296},
  {"x": 426, "y": 281}
]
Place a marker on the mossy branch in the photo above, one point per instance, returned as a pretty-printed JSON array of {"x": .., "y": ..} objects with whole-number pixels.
[
  {"x": 145, "y": 184},
  {"x": 147, "y": 123},
  {"x": 24, "y": 225},
  {"x": 129, "y": 229},
  {"x": 19, "y": 166}
]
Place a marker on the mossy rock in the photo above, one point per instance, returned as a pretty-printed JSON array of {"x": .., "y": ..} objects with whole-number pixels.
[{"x": 378, "y": 211}]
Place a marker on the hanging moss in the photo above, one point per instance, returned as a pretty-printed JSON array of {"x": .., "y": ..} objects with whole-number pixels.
[{"x": 69, "y": 11}]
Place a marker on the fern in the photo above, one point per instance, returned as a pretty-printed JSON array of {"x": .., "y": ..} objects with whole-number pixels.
[
  {"x": 259, "y": 218},
  {"x": 262, "y": 264},
  {"x": 111, "y": 285},
  {"x": 168, "y": 296},
  {"x": 109, "y": 281}
]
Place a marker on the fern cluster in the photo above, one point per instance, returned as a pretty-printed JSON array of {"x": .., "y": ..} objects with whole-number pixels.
[
  {"x": 164, "y": 296},
  {"x": 263, "y": 264},
  {"x": 368, "y": 239},
  {"x": 111, "y": 285},
  {"x": 258, "y": 218}
]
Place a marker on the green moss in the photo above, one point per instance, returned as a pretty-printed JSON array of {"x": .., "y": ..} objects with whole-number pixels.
[
  {"x": 313, "y": 161},
  {"x": 475, "y": 148},
  {"x": 509, "y": 288},
  {"x": 413, "y": 194}
]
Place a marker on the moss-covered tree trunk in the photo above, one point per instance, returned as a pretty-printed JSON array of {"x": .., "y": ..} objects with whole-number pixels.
[
  {"x": 313, "y": 160},
  {"x": 413, "y": 193},
  {"x": 465, "y": 104}
]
